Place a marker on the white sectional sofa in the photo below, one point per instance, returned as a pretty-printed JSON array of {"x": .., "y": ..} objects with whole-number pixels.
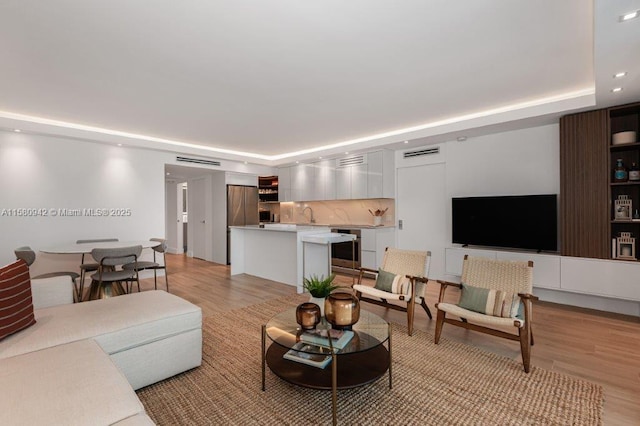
[{"x": 86, "y": 357}]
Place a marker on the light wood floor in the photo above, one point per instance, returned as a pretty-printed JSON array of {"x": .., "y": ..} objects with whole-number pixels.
[{"x": 600, "y": 347}]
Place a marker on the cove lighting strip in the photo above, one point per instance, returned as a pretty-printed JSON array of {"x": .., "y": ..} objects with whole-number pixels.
[{"x": 433, "y": 124}]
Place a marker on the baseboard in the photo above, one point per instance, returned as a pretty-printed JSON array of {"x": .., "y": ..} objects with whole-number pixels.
[{"x": 618, "y": 306}]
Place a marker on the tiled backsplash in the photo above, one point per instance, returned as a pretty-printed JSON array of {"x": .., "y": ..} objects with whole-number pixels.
[{"x": 338, "y": 212}]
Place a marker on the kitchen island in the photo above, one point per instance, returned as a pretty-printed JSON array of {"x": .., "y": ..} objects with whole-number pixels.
[{"x": 273, "y": 252}]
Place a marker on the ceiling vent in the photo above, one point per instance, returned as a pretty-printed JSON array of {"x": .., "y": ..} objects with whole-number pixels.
[
  {"x": 353, "y": 160},
  {"x": 421, "y": 152},
  {"x": 197, "y": 161}
]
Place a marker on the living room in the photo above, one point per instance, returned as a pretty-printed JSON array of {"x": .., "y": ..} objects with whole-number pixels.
[{"x": 495, "y": 140}]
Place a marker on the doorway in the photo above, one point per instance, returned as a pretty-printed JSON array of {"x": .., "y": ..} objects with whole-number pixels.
[
  {"x": 198, "y": 218},
  {"x": 183, "y": 188},
  {"x": 422, "y": 208}
]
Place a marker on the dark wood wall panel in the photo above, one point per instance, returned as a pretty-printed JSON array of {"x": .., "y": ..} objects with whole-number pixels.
[{"x": 584, "y": 185}]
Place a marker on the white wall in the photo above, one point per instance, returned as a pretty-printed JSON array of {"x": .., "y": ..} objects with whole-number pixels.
[
  {"x": 55, "y": 173},
  {"x": 219, "y": 218},
  {"x": 511, "y": 163},
  {"x": 173, "y": 214},
  {"x": 520, "y": 162}
]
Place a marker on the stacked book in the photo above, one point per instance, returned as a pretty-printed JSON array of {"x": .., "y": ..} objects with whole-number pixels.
[
  {"x": 314, "y": 348},
  {"x": 313, "y": 355},
  {"x": 339, "y": 338}
]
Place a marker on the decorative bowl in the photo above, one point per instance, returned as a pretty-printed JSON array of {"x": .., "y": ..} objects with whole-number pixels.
[{"x": 623, "y": 137}]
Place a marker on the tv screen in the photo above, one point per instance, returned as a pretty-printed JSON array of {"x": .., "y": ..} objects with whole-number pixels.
[{"x": 518, "y": 221}]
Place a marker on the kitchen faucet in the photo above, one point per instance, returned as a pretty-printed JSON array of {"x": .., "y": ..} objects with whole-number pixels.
[{"x": 311, "y": 219}]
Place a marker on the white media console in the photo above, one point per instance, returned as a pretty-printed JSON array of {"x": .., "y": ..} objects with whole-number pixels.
[{"x": 608, "y": 285}]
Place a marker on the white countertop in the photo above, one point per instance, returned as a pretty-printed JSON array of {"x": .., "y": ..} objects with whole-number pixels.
[
  {"x": 283, "y": 227},
  {"x": 328, "y": 238},
  {"x": 327, "y": 225}
]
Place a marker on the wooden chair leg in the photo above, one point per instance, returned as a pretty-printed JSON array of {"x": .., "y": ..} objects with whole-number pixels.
[
  {"x": 81, "y": 285},
  {"x": 525, "y": 347},
  {"x": 426, "y": 308},
  {"x": 411, "y": 308},
  {"x": 166, "y": 279},
  {"x": 155, "y": 278},
  {"x": 439, "y": 323},
  {"x": 531, "y": 334}
]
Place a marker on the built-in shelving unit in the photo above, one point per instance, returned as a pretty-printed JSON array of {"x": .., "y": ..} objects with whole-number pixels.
[
  {"x": 268, "y": 188},
  {"x": 588, "y": 223},
  {"x": 623, "y": 119}
]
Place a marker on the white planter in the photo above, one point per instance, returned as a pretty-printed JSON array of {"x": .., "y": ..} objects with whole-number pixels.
[{"x": 320, "y": 302}]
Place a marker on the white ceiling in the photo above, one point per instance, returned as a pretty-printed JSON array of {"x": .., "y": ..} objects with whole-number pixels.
[{"x": 272, "y": 79}]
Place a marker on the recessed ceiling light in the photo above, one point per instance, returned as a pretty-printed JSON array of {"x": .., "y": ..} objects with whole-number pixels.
[
  {"x": 168, "y": 173},
  {"x": 347, "y": 152},
  {"x": 17, "y": 130},
  {"x": 616, "y": 89},
  {"x": 319, "y": 158},
  {"x": 628, "y": 16},
  {"x": 246, "y": 162},
  {"x": 620, "y": 74},
  {"x": 297, "y": 162},
  {"x": 119, "y": 144},
  {"x": 406, "y": 141}
]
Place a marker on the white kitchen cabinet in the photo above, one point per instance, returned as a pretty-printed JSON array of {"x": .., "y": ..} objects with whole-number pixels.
[
  {"x": 302, "y": 182},
  {"x": 359, "y": 181},
  {"x": 373, "y": 243},
  {"x": 369, "y": 175},
  {"x": 380, "y": 174},
  {"x": 324, "y": 180},
  {"x": 368, "y": 259},
  {"x": 284, "y": 184},
  {"x": 343, "y": 183},
  {"x": 296, "y": 183}
]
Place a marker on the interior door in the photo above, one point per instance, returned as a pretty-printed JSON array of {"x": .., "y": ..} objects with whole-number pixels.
[
  {"x": 197, "y": 218},
  {"x": 422, "y": 209}
]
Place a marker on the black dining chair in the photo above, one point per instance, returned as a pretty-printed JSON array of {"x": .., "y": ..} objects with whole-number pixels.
[
  {"x": 107, "y": 281},
  {"x": 29, "y": 256},
  {"x": 155, "y": 266},
  {"x": 88, "y": 267}
]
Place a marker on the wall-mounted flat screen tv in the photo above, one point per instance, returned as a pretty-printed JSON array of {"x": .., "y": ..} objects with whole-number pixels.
[{"x": 516, "y": 221}]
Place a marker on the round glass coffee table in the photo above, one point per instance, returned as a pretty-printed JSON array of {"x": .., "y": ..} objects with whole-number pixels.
[{"x": 320, "y": 365}]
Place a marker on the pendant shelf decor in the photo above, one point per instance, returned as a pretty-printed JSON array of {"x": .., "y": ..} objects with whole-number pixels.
[
  {"x": 626, "y": 246},
  {"x": 623, "y": 208}
]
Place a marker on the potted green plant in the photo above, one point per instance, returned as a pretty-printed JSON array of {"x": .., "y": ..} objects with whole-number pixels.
[{"x": 320, "y": 288}]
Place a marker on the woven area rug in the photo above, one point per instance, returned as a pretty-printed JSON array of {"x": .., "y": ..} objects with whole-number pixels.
[{"x": 449, "y": 383}]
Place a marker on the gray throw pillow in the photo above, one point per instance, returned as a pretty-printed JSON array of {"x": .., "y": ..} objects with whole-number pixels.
[{"x": 384, "y": 281}]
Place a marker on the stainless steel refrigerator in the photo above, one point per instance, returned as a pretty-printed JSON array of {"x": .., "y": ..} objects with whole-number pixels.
[{"x": 242, "y": 209}]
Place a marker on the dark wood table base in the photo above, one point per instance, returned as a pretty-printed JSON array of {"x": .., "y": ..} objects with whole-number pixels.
[{"x": 354, "y": 370}]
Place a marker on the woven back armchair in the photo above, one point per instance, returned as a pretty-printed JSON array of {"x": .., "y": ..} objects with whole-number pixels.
[
  {"x": 494, "y": 294},
  {"x": 409, "y": 270}
]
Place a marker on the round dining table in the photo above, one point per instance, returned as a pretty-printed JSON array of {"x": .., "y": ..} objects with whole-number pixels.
[{"x": 84, "y": 248}]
